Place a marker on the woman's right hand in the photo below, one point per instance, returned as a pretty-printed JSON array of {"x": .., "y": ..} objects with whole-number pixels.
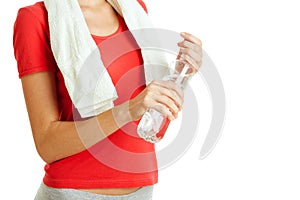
[{"x": 164, "y": 96}]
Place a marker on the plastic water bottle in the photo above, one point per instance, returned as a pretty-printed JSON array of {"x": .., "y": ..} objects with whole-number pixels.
[{"x": 153, "y": 121}]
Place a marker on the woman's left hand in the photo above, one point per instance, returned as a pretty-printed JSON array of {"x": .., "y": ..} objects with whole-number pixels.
[{"x": 191, "y": 50}]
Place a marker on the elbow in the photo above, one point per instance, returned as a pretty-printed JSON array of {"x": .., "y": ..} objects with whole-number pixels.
[
  {"x": 45, "y": 156},
  {"x": 44, "y": 146},
  {"x": 47, "y": 159},
  {"x": 46, "y": 153}
]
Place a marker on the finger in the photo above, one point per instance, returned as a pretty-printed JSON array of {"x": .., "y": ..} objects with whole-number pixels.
[
  {"x": 179, "y": 56},
  {"x": 193, "y": 58},
  {"x": 167, "y": 98},
  {"x": 172, "y": 96},
  {"x": 159, "y": 91},
  {"x": 191, "y": 61},
  {"x": 167, "y": 102},
  {"x": 191, "y": 38},
  {"x": 195, "y": 55},
  {"x": 164, "y": 111},
  {"x": 190, "y": 45},
  {"x": 171, "y": 89}
]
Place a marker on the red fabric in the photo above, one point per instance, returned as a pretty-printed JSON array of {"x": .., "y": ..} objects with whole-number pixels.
[{"x": 121, "y": 160}]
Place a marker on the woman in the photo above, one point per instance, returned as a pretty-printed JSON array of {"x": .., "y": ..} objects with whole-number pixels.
[{"x": 72, "y": 172}]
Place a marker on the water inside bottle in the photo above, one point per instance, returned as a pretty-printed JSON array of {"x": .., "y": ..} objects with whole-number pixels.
[
  {"x": 152, "y": 122},
  {"x": 150, "y": 125}
]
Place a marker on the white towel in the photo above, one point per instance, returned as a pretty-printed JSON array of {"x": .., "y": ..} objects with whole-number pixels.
[{"x": 78, "y": 58}]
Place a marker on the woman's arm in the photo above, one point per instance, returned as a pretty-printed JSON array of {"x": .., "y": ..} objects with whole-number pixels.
[
  {"x": 191, "y": 50},
  {"x": 56, "y": 139}
]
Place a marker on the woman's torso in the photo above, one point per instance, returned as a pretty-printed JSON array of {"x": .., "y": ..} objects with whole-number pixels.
[{"x": 123, "y": 160}]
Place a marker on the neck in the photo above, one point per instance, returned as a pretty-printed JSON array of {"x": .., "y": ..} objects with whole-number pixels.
[{"x": 91, "y": 3}]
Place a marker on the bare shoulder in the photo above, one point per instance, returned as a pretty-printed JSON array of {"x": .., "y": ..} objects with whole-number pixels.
[{"x": 40, "y": 95}]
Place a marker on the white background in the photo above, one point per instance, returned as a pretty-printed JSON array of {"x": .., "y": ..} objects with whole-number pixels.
[{"x": 255, "y": 46}]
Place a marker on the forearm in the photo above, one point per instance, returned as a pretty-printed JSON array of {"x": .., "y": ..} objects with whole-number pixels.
[
  {"x": 56, "y": 139},
  {"x": 62, "y": 139}
]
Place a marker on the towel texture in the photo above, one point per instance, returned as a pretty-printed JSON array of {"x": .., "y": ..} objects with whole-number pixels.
[{"x": 87, "y": 81}]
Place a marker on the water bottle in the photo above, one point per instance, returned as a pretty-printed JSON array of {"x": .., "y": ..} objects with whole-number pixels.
[{"x": 152, "y": 122}]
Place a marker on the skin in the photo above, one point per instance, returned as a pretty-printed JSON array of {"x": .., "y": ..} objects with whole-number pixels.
[{"x": 41, "y": 100}]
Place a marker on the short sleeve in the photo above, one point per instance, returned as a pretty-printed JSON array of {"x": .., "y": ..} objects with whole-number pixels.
[
  {"x": 31, "y": 41},
  {"x": 142, "y": 3}
]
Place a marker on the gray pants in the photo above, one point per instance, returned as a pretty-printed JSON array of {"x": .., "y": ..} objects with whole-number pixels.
[{"x": 47, "y": 193}]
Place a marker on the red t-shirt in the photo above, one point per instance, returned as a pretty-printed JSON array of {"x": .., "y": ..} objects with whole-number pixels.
[{"x": 121, "y": 160}]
